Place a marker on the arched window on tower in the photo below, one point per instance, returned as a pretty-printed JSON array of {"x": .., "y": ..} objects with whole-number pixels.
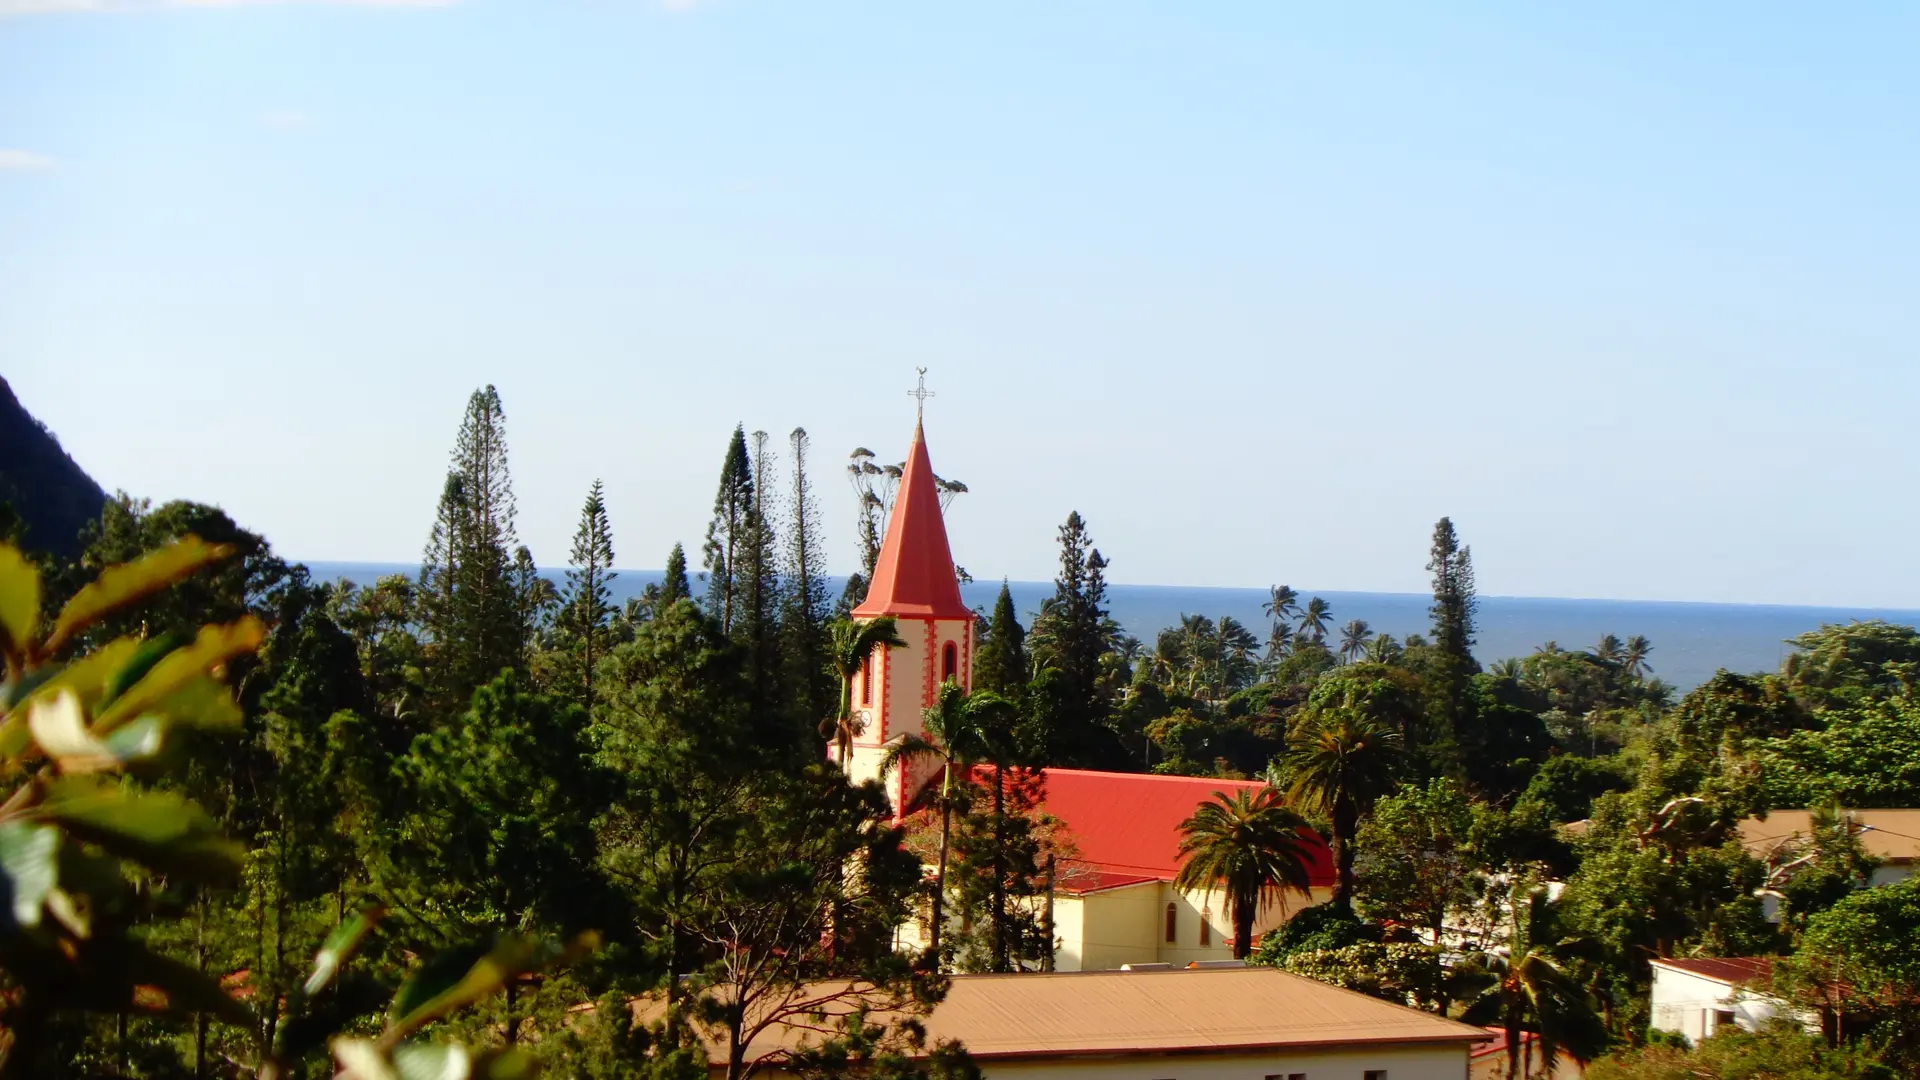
[
  {"x": 1206, "y": 927},
  {"x": 866, "y": 680},
  {"x": 949, "y": 661},
  {"x": 1173, "y": 923}
]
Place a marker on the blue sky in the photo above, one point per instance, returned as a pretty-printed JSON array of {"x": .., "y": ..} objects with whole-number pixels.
[{"x": 1629, "y": 290}]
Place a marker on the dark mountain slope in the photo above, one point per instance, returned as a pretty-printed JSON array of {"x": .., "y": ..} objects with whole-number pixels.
[{"x": 52, "y": 495}]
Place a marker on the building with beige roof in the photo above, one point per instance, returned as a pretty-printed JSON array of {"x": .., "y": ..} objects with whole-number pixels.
[
  {"x": 1891, "y": 836},
  {"x": 1247, "y": 1023}
]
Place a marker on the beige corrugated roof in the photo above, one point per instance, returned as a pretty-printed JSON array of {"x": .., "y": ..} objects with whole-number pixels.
[
  {"x": 1889, "y": 835},
  {"x": 1208, "y": 1009},
  {"x": 1182, "y": 1010}
]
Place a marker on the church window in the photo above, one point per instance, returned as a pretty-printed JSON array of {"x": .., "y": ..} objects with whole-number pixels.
[
  {"x": 1206, "y": 927},
  {"x": 949, "y": 661},
  {"x": 866, "y": 680},
  {"x": 1173, "y": 924}
]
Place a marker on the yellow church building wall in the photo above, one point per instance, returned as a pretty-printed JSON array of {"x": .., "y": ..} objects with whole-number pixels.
[{"x": 1127, "y": 925}]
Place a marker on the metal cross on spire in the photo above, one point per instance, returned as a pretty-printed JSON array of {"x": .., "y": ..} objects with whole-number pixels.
[{"x": 922, "y": 393}]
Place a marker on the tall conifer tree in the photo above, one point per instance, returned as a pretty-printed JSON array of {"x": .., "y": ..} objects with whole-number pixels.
[
  {"x": 439, "y": 567},
  {"x": 728, "y": 535},
  {"x": 1454, "y": 607},
  {"x": 1070, "y": 637},
  {"x": 475, "y": 614},
  {"x": 1001, "y": 665},
  {"x": 804, "y": 611},
  {"x": 758, "y": 581},
  {"x": 586, "y": 608},
  {"x": 673, "y": 586}
]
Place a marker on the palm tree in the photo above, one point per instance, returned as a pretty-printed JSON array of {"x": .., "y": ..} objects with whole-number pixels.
[
  {"x": 1353, "y": 639},
  {"x": 1233, "y": 665},
  {"x": 1609, "y": 652},
  {"x": 1279, "y": 641},
  {"x": 1385, "y": 649},
  {"x": 1337, "y": 763},
  {"x": 1282, "y": 603},
  {"x": 1530, "y": 989},
  {"x": 1251, "y": 844},
  {"x": 961, "y": 730},
  {"x": 1635, "y": 656},
  {"x": 849, "y": 644},
  {"x": 1511, "y": 668},
  {"x": 1314, "y": 621}
]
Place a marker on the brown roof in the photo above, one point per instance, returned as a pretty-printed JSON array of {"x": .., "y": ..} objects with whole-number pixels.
[
  {"x": 1890, "y": 835},
  {"x": 1732, "y": 970},
  {"x": 1171, "y": 1011}
]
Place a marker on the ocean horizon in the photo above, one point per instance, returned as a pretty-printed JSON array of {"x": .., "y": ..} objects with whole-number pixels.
[{"x": 1691, "y": 639}]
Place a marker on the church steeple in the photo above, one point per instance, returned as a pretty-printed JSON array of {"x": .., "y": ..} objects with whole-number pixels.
[{"x": 913, "y": 578}]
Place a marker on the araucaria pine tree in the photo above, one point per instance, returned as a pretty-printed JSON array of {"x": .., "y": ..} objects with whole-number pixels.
[
  {"x": 729, "y": 534},
  {"x": 586, "y": 608},
  {"x": 757, "y": 618},
  {"x": 477, "y": 619},
  {"x": 1069, "y": 637},
  {"x": 1001, "y": 663},
  {"x": 1453, "y": 610},
  {"x": 804, "y": 607},
  {"x": 673, "y": 586}
]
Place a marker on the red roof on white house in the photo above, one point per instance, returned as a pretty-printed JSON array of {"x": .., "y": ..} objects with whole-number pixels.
[
  {"x": 913, "y": 578},
  {"x": 1125, "y": 827},
  {"x": 1732, "y": 970}
]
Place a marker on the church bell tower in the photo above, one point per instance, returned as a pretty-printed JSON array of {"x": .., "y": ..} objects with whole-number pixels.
[{"x": 913, "y": 581}]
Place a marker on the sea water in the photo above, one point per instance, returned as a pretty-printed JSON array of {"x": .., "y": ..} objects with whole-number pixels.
[{"x": 1690, "y": 640}]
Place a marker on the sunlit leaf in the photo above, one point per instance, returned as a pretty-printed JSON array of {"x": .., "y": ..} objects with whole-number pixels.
[
  {"x": 88, "y": 676},
  {"x": 432, "y": 1061},
  {"x": 19, "y": 603},
  {"x": 60, "y": 730},
  {"x": 445, "y": 971},
  {"x": 30, "y": 859},
  {"x": 180, "y": 669},
  {"x": 361, "y": 1059},
  {"x": 158, "y": 830},
  {"x": 204, "y": 703},
  {"x": 340, "y": 947},
  {"x": 458, "y": 979},
  {"x": 135, "y": 668},
  {"x": 141, "y": 740},
  {"x": 118, "y": 586}
]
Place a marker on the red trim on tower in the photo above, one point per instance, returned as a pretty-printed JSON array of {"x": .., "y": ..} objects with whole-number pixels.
[
  {"x": 930, "y": 690},
  {"x": 913, "y": 577},
  {"x": 886, "y": 689},
  {"x": 966, "y": 657}
]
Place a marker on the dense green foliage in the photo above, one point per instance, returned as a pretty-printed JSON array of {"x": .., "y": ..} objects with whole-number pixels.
[
  {"x": 1780, "y": 1053},
  {"x": 497, "y": 764}
]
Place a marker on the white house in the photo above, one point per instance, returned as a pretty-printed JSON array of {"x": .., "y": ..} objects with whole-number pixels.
[{"x": 1696, "y": 998}]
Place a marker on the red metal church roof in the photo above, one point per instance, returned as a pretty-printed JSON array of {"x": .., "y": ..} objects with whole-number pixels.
[
  {"x": 1126, "y": 826},
  {"x": 913, "y": 578}
]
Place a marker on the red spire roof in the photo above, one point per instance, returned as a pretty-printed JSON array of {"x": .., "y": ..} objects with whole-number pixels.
[{"x": 913, "y": 577}]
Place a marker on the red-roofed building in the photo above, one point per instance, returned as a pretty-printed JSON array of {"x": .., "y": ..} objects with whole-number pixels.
[{"x": 1114, "y": 900}]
